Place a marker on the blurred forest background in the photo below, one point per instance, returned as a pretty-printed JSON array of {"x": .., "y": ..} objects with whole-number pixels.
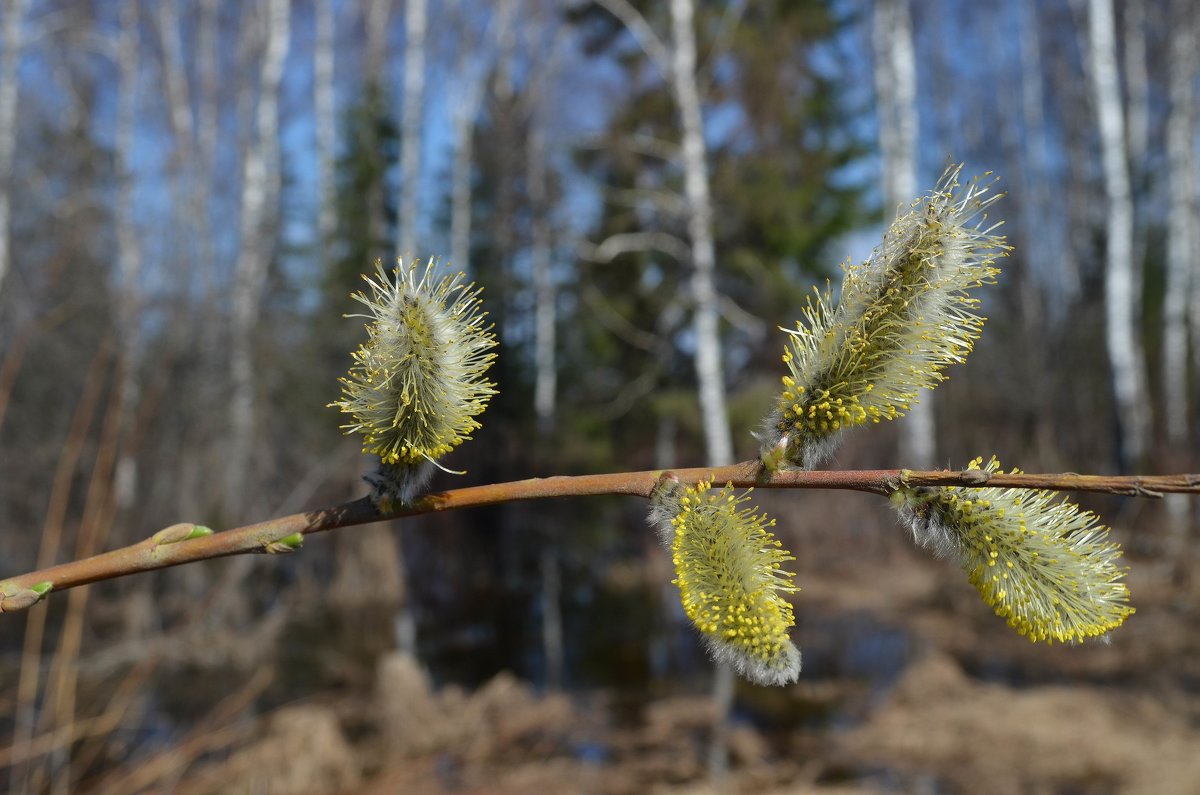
[{"x": 189, "y": 191}]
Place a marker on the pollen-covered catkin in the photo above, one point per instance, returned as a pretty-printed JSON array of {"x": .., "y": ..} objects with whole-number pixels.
[
  {"x": 902, "y": 317},
  {"x": 1039, "y": 562},
  {"x": 417, "y": 384},
  {"x": 728, "y": 567}
]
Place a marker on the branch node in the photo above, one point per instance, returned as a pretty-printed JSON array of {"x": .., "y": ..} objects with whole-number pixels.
[
  {"x": 289, "y": 543},
  {"x": 974, "y": 477},
  {"x": 1138, "y": 490},
  {"x": 184, "y": 531}
]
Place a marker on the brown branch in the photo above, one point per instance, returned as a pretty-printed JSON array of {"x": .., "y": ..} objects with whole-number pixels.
[{"x": 176, "y": 545}]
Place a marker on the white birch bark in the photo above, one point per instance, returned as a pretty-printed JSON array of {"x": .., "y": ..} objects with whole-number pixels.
[
  {"x": 260, "y": 194},
  {"x": 207, "y": 56},
  {"x": 896, "y": 102},
  {"x": 179, "y": 104},
  {"x": 464, "y": 115},
  {"x": 185, "y": 178},
  {"x": 415, "y": 18},
  {"x": 1182, "y": 248},
  {"x": 1050, "y": 260},
  {"x": 129, "y": 257},
  {"x": 14, "y": 20},
  {"x": 376, "y": 21},
  {"x": 1137, "y": 80},
  {"x": 1137, "y": 85},
  {"x": 377, "y": 17},
  {"x": 1181, "y": 221},
  {"x": 1121, "y": 333},
  {"x": 207, "y": 52},
  {"x": 325, "y": 122},
  {"x": 545, "y": 316},
  {"x": 709, "y": 368}
]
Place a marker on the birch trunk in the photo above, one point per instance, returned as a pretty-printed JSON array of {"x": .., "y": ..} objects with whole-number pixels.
[
  {"x": 1055, "y": 271},
  {"x": 179, "y": 104},
  {"x": 14, "y": 19},
  {"x": 129, "y": 258},
  {"x": 473, "y": 78},
  {"x": 376, "y": 21},
  {"x": 377, "y": 17},
  {"x": 208, "y": 49},
  {"x": 545, "y": 384},
  {"x": 709, "y": 369},
  {"x": 465, "y": 113},
  {"x": 415, "y": 14},
  {"x": 896, "y": 103},
  {"x": 1181, "y": 229},
  {"x": 1121, "y": 332},
  {"x": 1137, "y": 85},
  {"x": 1181, "y": 249},
  {"x": 545, "y": 316},
  {"x": 325, "y": 121},
  {"x": 184, "y": 176},
  {"x": 260, "y": 195},
  {"x": 1138, "y": 82}
]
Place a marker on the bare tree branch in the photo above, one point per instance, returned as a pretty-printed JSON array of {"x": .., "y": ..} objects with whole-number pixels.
[
  {"x": 641, "y": 31},
  {"x": 639, "y": 242},
  {"x": 166, "y": 549}
]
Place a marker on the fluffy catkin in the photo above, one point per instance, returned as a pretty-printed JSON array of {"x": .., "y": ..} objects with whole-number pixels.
[
  {"x": 902, "y": 317},
  {"x": 417, "y": 384},
  {"x": 728, "y": 569},
  {"x": 1041, "y": 563}
]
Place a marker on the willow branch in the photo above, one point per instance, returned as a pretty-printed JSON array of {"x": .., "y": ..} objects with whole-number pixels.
[{"x": 177, "y": 544}]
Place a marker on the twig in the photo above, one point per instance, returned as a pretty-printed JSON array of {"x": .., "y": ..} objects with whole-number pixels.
[{"x": 174, "y": 546}]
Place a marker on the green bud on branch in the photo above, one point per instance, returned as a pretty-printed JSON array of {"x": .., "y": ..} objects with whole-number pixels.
[
  {"x": 14, "y": 597},
  {"x": 289, "y": 543},
  {"x": 185, "y": 531}
]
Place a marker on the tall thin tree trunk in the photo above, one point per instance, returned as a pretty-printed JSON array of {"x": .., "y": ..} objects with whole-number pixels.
[
  {"x": 552, "y": 626},
  {"x": 208, "y": 54},
  {"x": 183, "y": 180},
  {"x": 1121, "y": 328},
  {"x": 896, "y": 102},
  {"x": 545, "y": 316},
  {"x": 1137, "y": 83},
  {"x": 463, "y": 134},
  {"x": 415, "y": 14},
  {"x": 1182, "y": 247},
  {"x": 14, "y": 19},
  {"x": 260, "y": 195},
  {"x": 129, "y": 256},
  {"x": 1055, "y": 269},
  {"x": 545, "y": 377},
  {"x": 185, "y": 177},
  {"x": 463, "y": 125},
  {"x": 325, "y": 112},
  {"x": 473, "y": 79},
  {"x": 709, "y": 368},
  {"x": 377, "y": 16},
  {"x": 53, "y": 527}
]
